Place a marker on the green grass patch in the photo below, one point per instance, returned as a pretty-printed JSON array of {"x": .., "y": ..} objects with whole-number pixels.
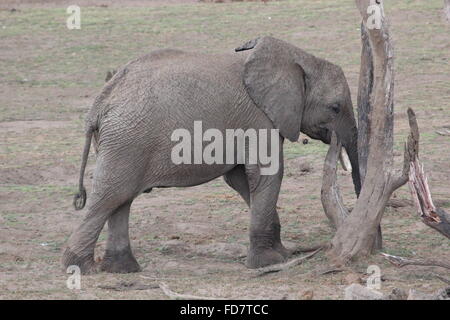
[{"x": 294, "y": 150}]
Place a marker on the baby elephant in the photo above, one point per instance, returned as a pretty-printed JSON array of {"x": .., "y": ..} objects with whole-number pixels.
[{"x": 155, "y": 101}]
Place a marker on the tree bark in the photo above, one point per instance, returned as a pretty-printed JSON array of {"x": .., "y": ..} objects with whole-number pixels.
[
  {"x": 447, "y": 10},
  {"x": 363, "y": 101}
]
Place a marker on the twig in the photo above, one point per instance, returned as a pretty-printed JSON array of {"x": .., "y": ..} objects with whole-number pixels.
[
  {"x": 443, "y": 133},
  {"x": 399, "y": 203},
  {"x": 286, "y": 265},
  {"x": 330, "y": 271},
  {"x": 445, "y": 280},
  {"x": 168, "y": 278},
  {"x": 401, "y": 262},
  {"x": 128, "y": 286},
  {"x": 301, "y": 249},
  {"x": 174, "y": 295}
]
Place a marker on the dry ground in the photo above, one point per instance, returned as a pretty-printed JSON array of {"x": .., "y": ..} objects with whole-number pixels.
[{"x": 195, "y": 238}]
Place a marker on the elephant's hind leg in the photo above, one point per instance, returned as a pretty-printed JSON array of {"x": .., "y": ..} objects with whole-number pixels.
[
  {"x": 118, "y": 256},
  {"x": 113, "y": 191},
  {"x": 81, "y": 244}
]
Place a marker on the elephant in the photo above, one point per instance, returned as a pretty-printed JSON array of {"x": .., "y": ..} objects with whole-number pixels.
[{"x": 266, "y": 83}]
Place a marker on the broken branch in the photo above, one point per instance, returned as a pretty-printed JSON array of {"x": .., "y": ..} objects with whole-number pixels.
[
  {"x": 433, "y": 217},
  {"x": 401, "y": 262},
  {"x": 443, "y": 279},
  {"x": 411, "y": 150},
  {"x": 332, "y": 202}
]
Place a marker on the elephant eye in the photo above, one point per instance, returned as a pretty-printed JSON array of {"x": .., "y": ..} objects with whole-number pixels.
[{"x": 335, "y": 108}]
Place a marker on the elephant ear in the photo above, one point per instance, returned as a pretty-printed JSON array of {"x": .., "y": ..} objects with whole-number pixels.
[{"x": 276, "y": 83}]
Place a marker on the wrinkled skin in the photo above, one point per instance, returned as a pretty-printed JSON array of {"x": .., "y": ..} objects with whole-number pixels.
[{"x": 267, "y": 84}]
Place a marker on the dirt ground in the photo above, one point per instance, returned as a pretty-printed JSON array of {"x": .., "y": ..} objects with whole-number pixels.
[{"x": 195, "y": 239}]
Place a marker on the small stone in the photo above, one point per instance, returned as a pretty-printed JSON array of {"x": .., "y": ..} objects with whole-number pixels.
[
  {"x": 171, "y": 265},
  {"x": 443, "y": 294},
  {"x": 352, "y": 278},
  {"x": 307, "y": 295},
  {"x": 398, "y": 294},
  {"x": 359, "y": 292},
  {"x": 417, "y": 295},
  {"x": 305, "y": 168}
]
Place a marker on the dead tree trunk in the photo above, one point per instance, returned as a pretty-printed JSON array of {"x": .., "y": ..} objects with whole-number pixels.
[
  {"x": 357, "y": 233},
  {"x": 353, "y": 231},
  {"x": 356, "y": 237},
  {"x": 365, "y": 88},
  {"x": 447, "y": 10}
]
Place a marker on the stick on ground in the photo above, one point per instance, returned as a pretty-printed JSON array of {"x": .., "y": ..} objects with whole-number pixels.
[
  {"x": 286, "y": 265},
  {"x": 301, "y": 249},
  {"x": 178, "y": 296}
]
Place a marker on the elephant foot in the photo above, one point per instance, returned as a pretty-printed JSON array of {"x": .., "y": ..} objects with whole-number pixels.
[
  {"x": 119, "y": 262},
  {"x": 286, "y": 253},
  {"x": 263, "y": 257},
  {"x": 86, "y": 263}
]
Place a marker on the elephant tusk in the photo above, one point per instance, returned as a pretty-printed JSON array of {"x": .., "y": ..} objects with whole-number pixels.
[{"x": 344, "y": 160}]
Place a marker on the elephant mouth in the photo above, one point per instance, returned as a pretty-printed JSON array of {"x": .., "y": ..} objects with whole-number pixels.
[
  {"x": 327, "y": 136},
  {"x": 324, "y": 135},
  {"x": 321, "y": 134}
]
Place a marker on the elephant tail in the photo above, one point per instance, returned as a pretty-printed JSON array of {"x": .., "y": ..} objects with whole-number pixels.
[{"x": 79, "y": 199}]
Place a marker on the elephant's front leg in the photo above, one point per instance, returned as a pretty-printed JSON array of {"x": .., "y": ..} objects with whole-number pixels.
[{"x": 265, "y": 243}]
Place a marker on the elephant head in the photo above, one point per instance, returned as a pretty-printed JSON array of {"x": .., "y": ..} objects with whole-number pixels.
[{"x": 301, "y": 93}]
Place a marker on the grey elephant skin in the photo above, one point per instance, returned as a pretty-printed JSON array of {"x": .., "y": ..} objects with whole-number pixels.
[{"x": 266, "y": 84}]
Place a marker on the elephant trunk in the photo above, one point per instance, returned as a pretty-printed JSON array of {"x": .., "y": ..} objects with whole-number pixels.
[
  {"x": 353, "y": 156},
  {"x": 350, "y": 143}
]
